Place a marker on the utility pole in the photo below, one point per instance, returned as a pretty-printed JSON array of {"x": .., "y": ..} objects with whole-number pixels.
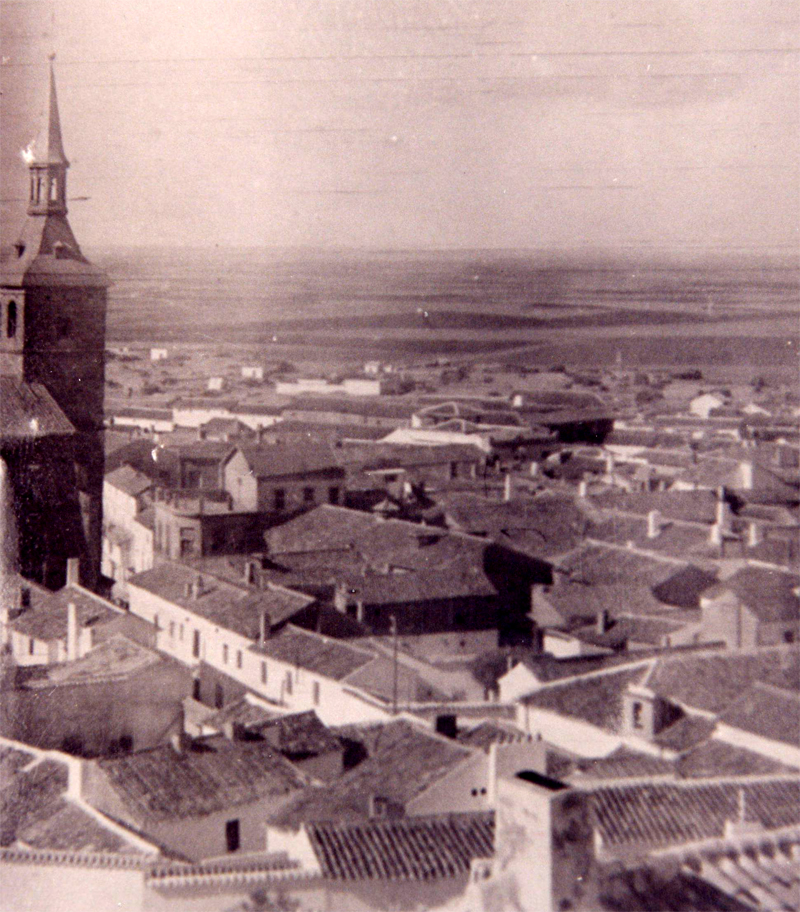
[{"x": 393, "y": 628}]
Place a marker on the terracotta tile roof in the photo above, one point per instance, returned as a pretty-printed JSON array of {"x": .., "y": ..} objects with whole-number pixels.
[
  {"x": 462, "y": 581},
  {"x": 686, "y": 506},
  {"x": 597, "y": 564},
  {"x": 291, "y": 733},
  {"x": 209, "y": 775},
  {"x": 403, "y": 762},
  {"x": 624, "y": 629},
  {"x": 117, "y": 657},
  {"x": 650, "y": 815},
  {"x": 242, "y": 712},
  {"x": 714, "y": 759},
  {"x": 316, "y": 653},
  {"x": 377, "y": 679},
  {"x": 766, "y": 711},
  {"x": 770, "y": 594},
  {"x": 420, "y": 848},
  {"x": 686, "y": 733},
  {"x": 684, "y": 587},
  {"x": 711, "y": 681},
  {"x": 234, "y": 607},
  {"x": 623, "y": 763},
  {"x": 546, "y": 525},
  {"x": 129, "y": 480},
  {"x": 46, "y": 619},
  {"x": 277, "y": 461},
  {"x": 596, "y": 699},
  {"x": 28, "y": 411},
  {"x": 34, "y": 811}
]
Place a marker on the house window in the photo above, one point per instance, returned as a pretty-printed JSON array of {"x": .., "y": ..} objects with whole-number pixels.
[
  {"x": 263, "y": 672},
  {"x": 196, "y": 689},
  {"x": 333, "y": 495},
  {"x": 289, "y": 683},
  {"x": 788, "y": 636},
  {"x": 315, "y": 693},
  {"x": 155, "y": 622},
  {"x": 308, "y": 495},
  {"x": 232, "y": 835},
  {"x": 225, "y": 653},
  {"x": 54, "y": 189},
  {"x": 172, "y": 630},
  {"x": 31, "y": 645},
  {"x": 279, "y": 499},
  {"x": 454, "y": 470},
  {"x": 196, "y": 644},
  {"x": 238, "y": 658},
  {"x": 637, "y": 715},
  {"x": 180, "y": 632},
  {"x": 11, "y": 319},
  {"x": 219, "y": 696}
]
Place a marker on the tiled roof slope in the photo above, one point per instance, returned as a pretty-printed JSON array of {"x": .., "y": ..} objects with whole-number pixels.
[
  {"x": 714, "y": 759},
  {"x": 489, "y": 732},
  {"x": 129, "y": 480},
  {"x": 596, "y": 564},
  {"x": 710, "y": 682},
  {"x": 116, "y": 658},
  {"x": 231, "y": 606},
  {"x": 596, "y": 699},
  {"x": 767, "y": 711},
  {"x": 314, "y": 652},
  {"x": 770, "y": 594},
  {"x": 661, "y": 814},
  {"x": 209, "y": 775},
  {"x": 686, "y": 506},
  {"x": 46, "y": 619},
  {"x": 34, "y": 812},
  {"x": 276, "y": 461},
  {"x": 28, "y": 411},
  {"x": 420, "y": 848},
  {"x": 403, "y": 762}
]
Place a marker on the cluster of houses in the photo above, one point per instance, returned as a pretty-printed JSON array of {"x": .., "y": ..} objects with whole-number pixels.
[{"x": 410, "y": 668}]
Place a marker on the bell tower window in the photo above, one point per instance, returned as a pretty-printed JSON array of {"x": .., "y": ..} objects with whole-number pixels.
[
  {"x": 54, "y": 188},
  {"x": 11, "y": 319}
]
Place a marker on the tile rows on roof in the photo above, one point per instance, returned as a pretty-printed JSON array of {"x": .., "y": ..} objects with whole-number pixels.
[
  {"x": 129, "y": 480},
  {"x": 315, "y": 653},
  {"x": 770, "y": 594},
  {"x": 403, "y": 762},
  {"x": 661, "y": 814},
  {"x": 208, "y": 775},
  {"x": 423, "y": 848},
  {"x": 767, "y": 711},
  {"x": 117, "y": 657},
  {"x": 765, "y": 877},
  {"x": 28, "y": 411},
  {"x": 46, "y": 618}
]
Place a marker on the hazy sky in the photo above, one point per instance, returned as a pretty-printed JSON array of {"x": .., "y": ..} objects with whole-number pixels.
[{"x": 414, "y": 123}]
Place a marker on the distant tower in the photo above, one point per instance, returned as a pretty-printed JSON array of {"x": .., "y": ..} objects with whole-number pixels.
[{"x": 52, "y": 335}]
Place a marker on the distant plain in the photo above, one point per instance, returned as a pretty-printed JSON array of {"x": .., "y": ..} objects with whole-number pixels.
[{"x": 732, "y": 318}]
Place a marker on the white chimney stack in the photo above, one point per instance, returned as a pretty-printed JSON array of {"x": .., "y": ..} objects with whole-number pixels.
[
  {"x": 507, "y": 487},
  {"x": 583, "y": 488},
  {"x": 653, "y": 524},
  {"x": 754, "y": 534},
  {"x": 72, "y": 632},
  {"x": 73, "y": 571}
]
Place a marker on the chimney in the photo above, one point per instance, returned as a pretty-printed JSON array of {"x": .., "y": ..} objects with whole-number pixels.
[
  {"x": 653, "y": 524},
  {"x": 723, "y": 514},
  {"x": 264, "y": 627},
  {"x": 602, "y": 621},
  {"x": 533, "y": 471},
  {"x": 583, "y": 488},
  {"x": 198, "y": 586},
  {"x": 754, "y": 534},
  {"x": 73, "y": 571},
  {"x": 746, "y": 474},
  {"x": 715, "y": 535},
  {"x": 446, "y": 725},
  {"x": 24, "y": 598},
  {"x": 609, "y": 464},
  {"x": 250, "y": 573},
  {"x": 507, "y": 487},
  {"x": 188, "y": 589},
  {"x": 72, "y": 632}
]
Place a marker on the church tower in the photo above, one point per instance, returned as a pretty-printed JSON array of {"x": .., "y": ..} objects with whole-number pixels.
[{"x": 52, "y": 336}]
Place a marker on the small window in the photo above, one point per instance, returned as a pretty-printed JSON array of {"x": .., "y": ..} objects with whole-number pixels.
[
  {"x": 308, "y": 495},
  {"x": 263, "y": 672},
  {"x": 31, "y": 645},
  {"x": 219, "y": 696},
  {"x": 180, "y": 632},
  {"x": 637, "y": 715},
  {"x": 196, "y": 689},
  {"x": 788, "y": 636},
  {"x": 280, "y": 499},
  {"x": 225, "y": 653},
  {"x": 238, "y": 658},
  {"x": 232, "y": 835},
  {"x": 54, "y": 189},
  {"x": 289, "y": 683},
  {"x": 11, "y": 319},
  {"x": 196, "y": 644},
  {"x": 172, "y": 630},
  {"x": 155, "y": 622},
  {"x": 333, "y": 495},
  {"x": 315, "y": 693}
]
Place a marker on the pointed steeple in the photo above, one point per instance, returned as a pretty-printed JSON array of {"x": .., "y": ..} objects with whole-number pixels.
[
  {"x": 49, "y": 148},
  {"x": 48, "y": 163}
]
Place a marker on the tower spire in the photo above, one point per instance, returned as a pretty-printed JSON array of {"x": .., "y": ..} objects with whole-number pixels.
[{"x": 48, "y": 164}]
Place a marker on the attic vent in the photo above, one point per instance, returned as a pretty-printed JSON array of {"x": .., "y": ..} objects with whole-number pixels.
[
  {"x": 20, "y": 248},
  {"x": 61, "y": 250}
]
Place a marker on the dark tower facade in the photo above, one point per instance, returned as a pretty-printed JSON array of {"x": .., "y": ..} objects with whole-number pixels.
[{"x": 52, "y": 335}]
